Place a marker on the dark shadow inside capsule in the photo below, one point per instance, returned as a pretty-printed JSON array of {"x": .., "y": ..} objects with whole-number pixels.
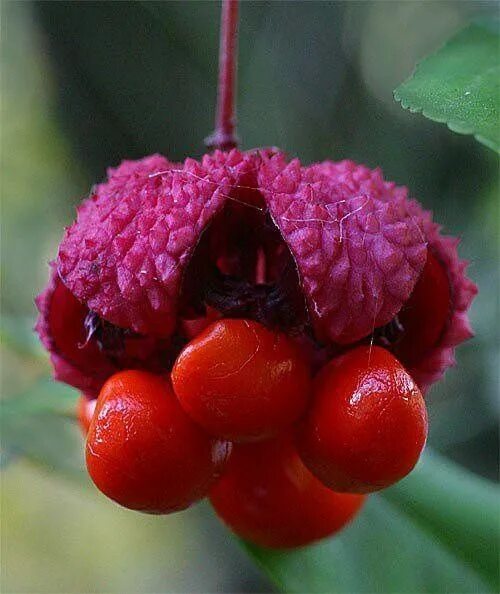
[{"x": 242, "y": 268}]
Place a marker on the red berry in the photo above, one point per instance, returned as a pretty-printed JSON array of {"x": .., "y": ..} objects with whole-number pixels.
[
  {"x": 85, "y": 408},
  {"x": 425, "y": 314},
  {"x": 367, "y": 425},
  {"x": 269, "y": 497},
  {"x": 144, "y": 452},
  {"x": 241, "y": 381}
]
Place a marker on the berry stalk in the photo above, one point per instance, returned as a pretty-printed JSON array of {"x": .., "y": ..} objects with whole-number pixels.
[{"x": 224, "y": 135}]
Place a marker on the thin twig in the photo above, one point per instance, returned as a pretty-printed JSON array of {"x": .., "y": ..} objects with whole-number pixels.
[{"x": 224, "y": 135}]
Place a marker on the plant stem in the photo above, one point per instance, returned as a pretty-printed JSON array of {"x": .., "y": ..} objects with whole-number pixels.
[{"x": 224, "y": 136}]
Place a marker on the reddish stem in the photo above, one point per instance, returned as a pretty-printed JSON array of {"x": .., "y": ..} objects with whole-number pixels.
[{"x": 224, "y": 135}]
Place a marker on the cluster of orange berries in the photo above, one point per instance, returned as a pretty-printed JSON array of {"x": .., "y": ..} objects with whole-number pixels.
[{"x": 284, "y": 459}]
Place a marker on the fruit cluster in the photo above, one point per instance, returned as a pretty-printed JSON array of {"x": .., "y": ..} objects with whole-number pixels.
[
  {"x": 285, "y": 460},
  {"x": 254, "y": 330}
]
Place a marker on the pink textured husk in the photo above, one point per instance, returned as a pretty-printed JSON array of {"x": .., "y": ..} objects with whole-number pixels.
[
  {"x": 358, "y": 249},
  {"x": 125, "y": 255},
  {"x": 358, "y": 242}
]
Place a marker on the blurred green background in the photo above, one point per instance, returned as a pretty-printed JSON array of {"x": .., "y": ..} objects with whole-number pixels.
[{"x": 86, "y": 84}]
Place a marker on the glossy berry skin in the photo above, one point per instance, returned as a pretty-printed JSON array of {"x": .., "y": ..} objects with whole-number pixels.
[
  {"x": 85, "y": 408},
  {"x": 367, "y": 424},
  {"x": 241, "y": 381},
  {"x": 144, "y": 452},
  {"x": 268, "y": 496}
]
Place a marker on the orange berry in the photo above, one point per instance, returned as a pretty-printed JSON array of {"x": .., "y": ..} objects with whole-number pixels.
[
  {"x": 269, "y": 497},
  {"x": 144, "y": 452},
  {"x": 241, "y": 381},
  {"x": 367, "y": 424}
]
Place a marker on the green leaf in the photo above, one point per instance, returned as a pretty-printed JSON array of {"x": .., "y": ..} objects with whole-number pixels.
[
  {"x": 39, "y": 425},
  {"x": 460, "y": 84},
  {"x": 428, "y": 521},
  {"x": 459, "y": 508}
]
